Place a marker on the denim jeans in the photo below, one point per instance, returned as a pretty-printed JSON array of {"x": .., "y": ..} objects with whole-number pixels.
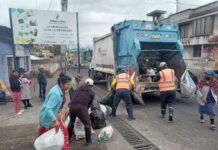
[
  {"x": 42, "y": 91},
  {"x": 125, "y": 95}
]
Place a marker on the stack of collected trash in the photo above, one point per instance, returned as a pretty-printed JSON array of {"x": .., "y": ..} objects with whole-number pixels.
[{"x": 108, "y": 99}]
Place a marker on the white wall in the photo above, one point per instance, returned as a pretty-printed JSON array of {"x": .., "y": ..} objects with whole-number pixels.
[
  {"x": 215, "y": 27},
  {"x": 52, "y": 66}
]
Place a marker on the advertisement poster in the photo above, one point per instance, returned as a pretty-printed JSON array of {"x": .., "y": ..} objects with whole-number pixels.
[{"x": 43, "y": 27}]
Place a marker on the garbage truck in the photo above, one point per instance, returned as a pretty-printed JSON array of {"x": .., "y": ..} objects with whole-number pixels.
[{"x": 135, "y": 46}]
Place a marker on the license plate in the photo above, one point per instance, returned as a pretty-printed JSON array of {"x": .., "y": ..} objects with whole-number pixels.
[{"x": 155, "y": 36}]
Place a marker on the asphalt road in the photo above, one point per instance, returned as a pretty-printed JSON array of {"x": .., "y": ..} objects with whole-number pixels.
[{"x": 186, "y": 133}]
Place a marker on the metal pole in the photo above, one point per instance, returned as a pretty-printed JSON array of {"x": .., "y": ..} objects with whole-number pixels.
[
  {"x": 63, "y": 48},
  {"x": 177, "y": 5},
  {"x": 64, "y": 5},
  {"x": 78, "y": 51},
  {"x": 13, "y": 45}
]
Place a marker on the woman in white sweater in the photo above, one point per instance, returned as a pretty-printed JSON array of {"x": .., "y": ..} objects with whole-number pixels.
[{"x": 25, "y": 91}]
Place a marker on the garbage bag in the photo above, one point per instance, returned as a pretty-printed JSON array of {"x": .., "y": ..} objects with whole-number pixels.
[
  {"x": 108, "y": 99},
  {"x": 78, "y": 128},
  {"x": 187, "y": 85},
  {"x": 104, "y": 110},
  {"x": 136, "y": 98},
  {"x": 67, "y": 121},
  {"x": 97, "y": 119},
  {"x": 50, "y": 140},
  {"x": 105, "y": 134},
  {"x": 194, "y": 78}
]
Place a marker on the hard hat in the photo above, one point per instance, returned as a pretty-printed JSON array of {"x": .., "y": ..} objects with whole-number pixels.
[
  {"x": 89, "y": 81},
  {"x": 162, "y": 64}
]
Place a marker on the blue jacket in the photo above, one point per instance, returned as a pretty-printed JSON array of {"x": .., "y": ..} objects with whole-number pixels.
[
  {"x": 51, "y": 106},
  {"x": 14, "y": 83},
  {"x": 41, "y": 77}
]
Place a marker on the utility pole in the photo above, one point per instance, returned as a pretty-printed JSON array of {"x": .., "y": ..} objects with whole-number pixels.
[
  {"x": 64, "y": 5},
  {"x": 78, "y": 50},
  {"x": 63, "y": 48},
  {"x": 177, "y": 5}
]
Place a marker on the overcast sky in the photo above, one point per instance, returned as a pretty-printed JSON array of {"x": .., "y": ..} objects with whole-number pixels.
[{"x": 97, "y": 16}]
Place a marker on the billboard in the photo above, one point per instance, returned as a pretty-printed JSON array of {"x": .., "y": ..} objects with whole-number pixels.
[{"x": 43, "y": 27}]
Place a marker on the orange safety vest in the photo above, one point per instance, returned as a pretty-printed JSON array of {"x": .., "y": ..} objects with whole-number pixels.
[
  {"x": 123, "y": 81},
  {"x": 166, "y": 82}
]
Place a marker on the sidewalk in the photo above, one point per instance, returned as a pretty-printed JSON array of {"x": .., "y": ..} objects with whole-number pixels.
[{"x": 19, "y": 132}]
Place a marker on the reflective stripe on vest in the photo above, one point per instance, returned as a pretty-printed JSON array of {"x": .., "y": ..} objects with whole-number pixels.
[
  {"x": 123, "y": 81},
  {"x": 166, "y": 82}
]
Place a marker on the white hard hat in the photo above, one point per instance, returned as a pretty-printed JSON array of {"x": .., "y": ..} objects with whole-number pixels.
[
  {"x": 89, "y": 81},
  {"x": 162, "y": 64}
]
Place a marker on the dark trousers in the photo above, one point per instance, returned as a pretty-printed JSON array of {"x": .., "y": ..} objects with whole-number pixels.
[
  {"x": 80, "y": 111},
  {"x": 26, "y": 102},
  {"x": 42, "y": 91},
  {"x": 125, "y": 95},
  {"x": 168, "y": 98},
  {"x": 3, "y": 98},
  {"x": 71, "y": 92}
]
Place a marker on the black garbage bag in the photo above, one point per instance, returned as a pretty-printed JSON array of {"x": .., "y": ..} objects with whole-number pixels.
[
  {"x": 108, "y": 99},
  {"x": 136, "y": 98},
  {"x": 97, "y": 118}
]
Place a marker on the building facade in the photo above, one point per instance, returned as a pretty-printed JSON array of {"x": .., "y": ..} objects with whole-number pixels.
[
  {"x": 6, "y": 55},
  {"x": 199, "y": 34}
]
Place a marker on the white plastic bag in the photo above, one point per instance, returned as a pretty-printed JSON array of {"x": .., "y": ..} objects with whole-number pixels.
[
  {"x": 50, "y": 140},
  {"x": 104, "y": 110},
  {"x": 105, "y": 134},
  {"x": 67, "y": 121},
  {"x": 79, "y": 129},
  {"x": 187, "y": 85}
]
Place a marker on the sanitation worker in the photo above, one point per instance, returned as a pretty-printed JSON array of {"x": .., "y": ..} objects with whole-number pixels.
[
  {"x": 166, "y": 79},
  {"x": 123, "y": 84}
]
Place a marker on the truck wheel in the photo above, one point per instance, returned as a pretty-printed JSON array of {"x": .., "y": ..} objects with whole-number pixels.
[{"x": 109, "y": 80}]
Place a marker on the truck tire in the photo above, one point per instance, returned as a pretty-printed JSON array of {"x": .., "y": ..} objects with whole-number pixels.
[{"x": 109, "y": 80}]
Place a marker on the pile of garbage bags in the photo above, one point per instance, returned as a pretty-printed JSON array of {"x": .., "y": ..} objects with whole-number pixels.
[
  {"x": 108, "y": 99},
  {"x": 98, "y": 117}
]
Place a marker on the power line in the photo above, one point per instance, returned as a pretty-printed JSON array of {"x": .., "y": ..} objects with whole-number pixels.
[
  {"x": 49, "y": 5},
  {"x": 181, "y": 3},
  {"x": 187, "y": 4}
]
